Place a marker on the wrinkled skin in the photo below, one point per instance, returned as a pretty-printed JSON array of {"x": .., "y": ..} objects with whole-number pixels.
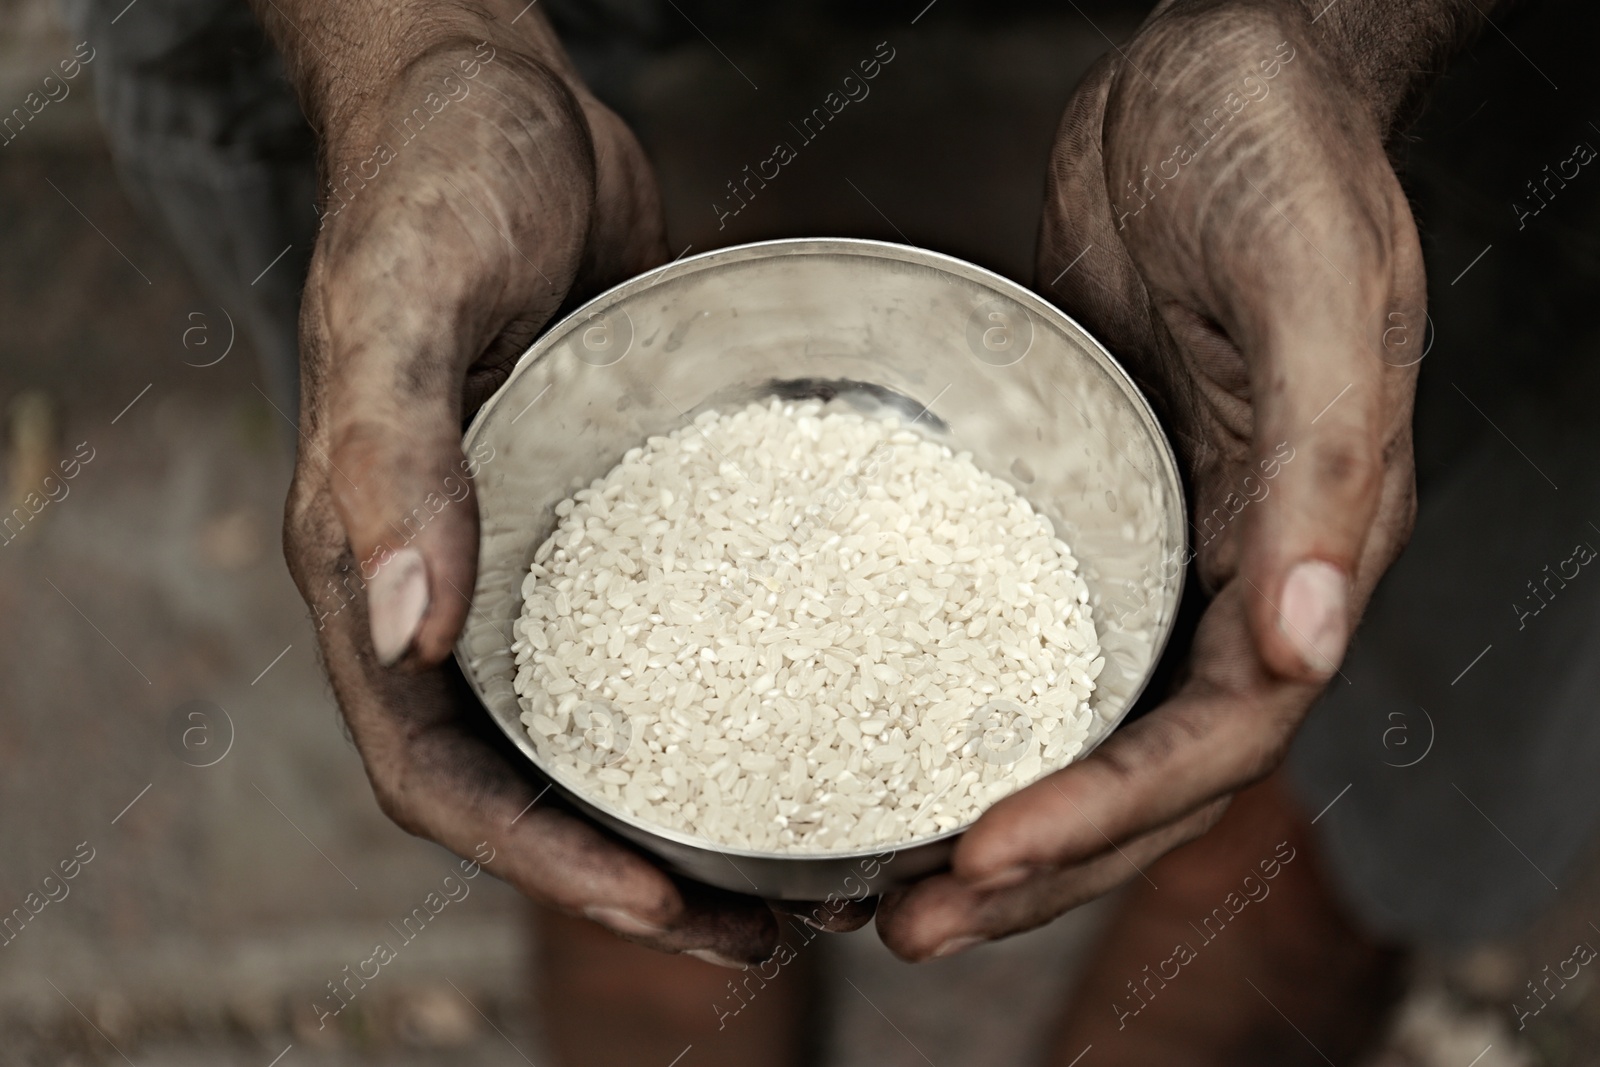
[
  {"x": 1272, "y": 277},
  {"x": 1244, "y": 309},
  {"x": 516, "y": 200}
]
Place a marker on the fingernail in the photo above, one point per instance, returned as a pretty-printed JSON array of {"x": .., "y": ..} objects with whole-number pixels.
[
  {"x": 1313, "y": 614},
  {"x": 954, "y": 945},
  {"x": 1002, "y": 879},
  {"x": 711, "y": 956},
  {"x": 397, "y": 599},
  {"x": 621, "y": 922}
]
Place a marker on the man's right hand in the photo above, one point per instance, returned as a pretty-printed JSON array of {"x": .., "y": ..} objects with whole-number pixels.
[{"x": 476, "y": 190}]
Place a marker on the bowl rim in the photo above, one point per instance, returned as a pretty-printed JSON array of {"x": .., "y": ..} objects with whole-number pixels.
[{"x": 1031, "y": 302}]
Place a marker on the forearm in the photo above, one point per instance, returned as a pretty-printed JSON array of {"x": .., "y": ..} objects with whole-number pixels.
[
  {"x": 1392, "y": 51},
  {"x": 1389, "y": 52},
  {"x": 343, "y": 55}
]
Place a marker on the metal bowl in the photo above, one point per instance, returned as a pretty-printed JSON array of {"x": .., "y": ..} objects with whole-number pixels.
[{"x": 993, "y": 369}]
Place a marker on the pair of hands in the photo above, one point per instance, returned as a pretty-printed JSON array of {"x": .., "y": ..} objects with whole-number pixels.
[{"x": 1252, "y": 293}]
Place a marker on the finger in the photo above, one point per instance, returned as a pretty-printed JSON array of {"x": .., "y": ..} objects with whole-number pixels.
[
  {"x": 944, "y": 915},
  {"x": 401, "y": 485},
  {"x": 839, "y": 916},
  {"x": 1319, "y": 427},
  {"x": 418, "y": 277},
  {"x": 443, "y": 774},
  {"x": 721, "y": 927},
  {"x": 1331, "y": 412},
  {"x": 1286, "y": 248},
  {"x": 441, "y": 782},
  {"x": 1311, "y": 346},
  {"x": 1303, "y": 287},
  {"x": 1228, "y": 725},
  {"x": 398, "y": 479}
]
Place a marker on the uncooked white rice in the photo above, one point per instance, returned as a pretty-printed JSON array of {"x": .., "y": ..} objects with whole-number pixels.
[{"x": 794, "y": 631}]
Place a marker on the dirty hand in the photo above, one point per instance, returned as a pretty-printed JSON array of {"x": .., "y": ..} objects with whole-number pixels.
[
  {"x": 477, "y": 188},
  {"x": 1222, "y": 214}
]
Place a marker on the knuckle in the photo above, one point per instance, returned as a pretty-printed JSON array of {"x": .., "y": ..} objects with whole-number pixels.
[
  {"x": 1199, "y": 823},
  {"x": 1277, "y": 736},
  {"x": 1211, "y": 814},
  {"x": 313, "y": 539},
  {"x": 1121, "y": 765},
  {"x": 1405, "y": 521},
  {"x": 390, "y": 791},
  {"x": 1345, "y": 466},
  {"x": 359, "y": 449},
  {"x": 301, "y": 514}
]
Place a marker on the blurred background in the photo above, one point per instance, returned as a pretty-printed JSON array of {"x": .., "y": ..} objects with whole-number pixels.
[{"x": 162, "y": 709}]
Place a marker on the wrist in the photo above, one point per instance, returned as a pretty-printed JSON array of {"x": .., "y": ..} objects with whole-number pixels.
[
  {"x": 520, "y": 96},
  {"x": 345, "y": 58},
  {"x": 1392, "y": 53},
  {"x": 1387, "y": 54},
  {"x": 493, "y": 133}
]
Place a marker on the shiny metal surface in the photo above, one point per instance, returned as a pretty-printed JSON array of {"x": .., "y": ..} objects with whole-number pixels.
[{"x": 994, "y": 369}]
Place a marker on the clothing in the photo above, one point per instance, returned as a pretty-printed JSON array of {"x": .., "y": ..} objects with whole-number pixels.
[{"x": 209, "y": 140}]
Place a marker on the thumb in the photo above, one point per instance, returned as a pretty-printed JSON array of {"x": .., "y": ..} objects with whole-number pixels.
[
  {"x": 1318, "y": 441},
  {"x": 413, "y": 292},
  {"x": 403, "y": 491},
  {"x": 1326, "y": 404},
  {"x": 400, "y": 484}
]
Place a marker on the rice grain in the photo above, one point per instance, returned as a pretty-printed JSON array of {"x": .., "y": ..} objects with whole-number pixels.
[{"x": 793, "y": 630}]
